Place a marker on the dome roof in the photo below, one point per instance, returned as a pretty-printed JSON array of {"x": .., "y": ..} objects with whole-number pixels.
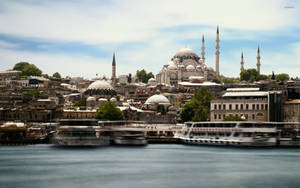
[
  {"x": 100, "y": 85},
  {"x": 172, "y": 66},
  {"x": 185, "y": 52},
  {"x": 157, "y": 99},
  {"x": 190, "y": 67},
  {"x": 90, "y": 98},
  {"x": 113, "y": 99},
  {"x": 102, "y": 99},
  {"x": 151, "y": 80}
]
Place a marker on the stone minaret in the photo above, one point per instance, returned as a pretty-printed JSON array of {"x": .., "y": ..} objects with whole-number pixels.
[
  {"x": 113, "y": 77},
  {"x": 258, "y": 60},
  {"x": 203, "y": 50},
  {"x": 217, "y": 52},
  {"x": 242, "y": 62}
]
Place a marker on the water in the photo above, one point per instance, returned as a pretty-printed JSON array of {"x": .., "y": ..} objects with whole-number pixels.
[{"x": 151, "y": 166}]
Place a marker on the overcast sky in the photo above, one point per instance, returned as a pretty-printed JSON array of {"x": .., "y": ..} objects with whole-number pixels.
[{"x": 78, "y": 38}]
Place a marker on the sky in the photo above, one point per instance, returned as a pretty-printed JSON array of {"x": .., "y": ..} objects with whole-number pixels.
[{"x": 78, "y": 38}]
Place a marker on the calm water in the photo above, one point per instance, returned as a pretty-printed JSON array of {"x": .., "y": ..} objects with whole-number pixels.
[{"x": 150, "y": 166}]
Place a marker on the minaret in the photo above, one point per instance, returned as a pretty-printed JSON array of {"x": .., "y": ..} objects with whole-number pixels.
[
  {"x": 242, "y": 62},
  {"x": 217, "y": 52},
  {"x": 203, "y": 50},
  {"x": 113, "y": 77},
  {"x": 258, "y": 60}
]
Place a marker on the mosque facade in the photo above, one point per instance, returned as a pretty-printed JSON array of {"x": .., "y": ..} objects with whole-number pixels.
[{"x": 186, "y": 63}]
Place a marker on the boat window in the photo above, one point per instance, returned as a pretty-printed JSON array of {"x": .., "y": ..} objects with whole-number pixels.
[
  {"x": 247, "y": 134},
  {"x": 228, "y": 134},
  {"x": 236, "y": 134}
]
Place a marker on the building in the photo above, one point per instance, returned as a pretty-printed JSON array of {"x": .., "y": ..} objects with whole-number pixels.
[
  {"x": 291, "y": 111},
  {"x": 186, "y": 63},
  {"x": 248, "y": 103}
]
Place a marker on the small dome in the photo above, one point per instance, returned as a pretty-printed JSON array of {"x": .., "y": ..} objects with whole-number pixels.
[
  {"x": 102, "y": 99},
  {"x": 100, "y": 85},
  {"x": 151, "y": 80},
  {"x": 181, "y": 66},
  {"x": 158, "y": 99},
  {"x": 172, "y": 66},
  {"x": 185, "y": 52},
  {"x": 190, "y": 67},
  {"x": 198, "y": 67},
  {"x": 113, "y": 99},
  {"x": 90, "y": 98}
]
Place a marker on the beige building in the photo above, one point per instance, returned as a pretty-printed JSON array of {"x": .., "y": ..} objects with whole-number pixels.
[
  {"x": 291, "y": 111},
  {"x": 248, "y": 103}
]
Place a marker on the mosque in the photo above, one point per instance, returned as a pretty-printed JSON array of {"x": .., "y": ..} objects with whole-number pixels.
[{"x": 186, "y": 63}]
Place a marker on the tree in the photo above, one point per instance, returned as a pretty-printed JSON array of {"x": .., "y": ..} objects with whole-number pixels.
[
  {"x": 216, "y": 80},
  {"x": 198, "y": 108},
  {"x": 263, "y": 77},
  {"x": 129, "y": 79},
  {"x": 233, "y": 118},
  {"x": 249, "y": 75},
  {"x": 56, "y": 75},
  {"x": 274, "y": 87},
  {"x": 20, "y": 66},
  {"x": 109, "y": 111},
  {"x": 143, "y": 76},
  {"x": 282, "y": 77},
  {"x": 79, "y": 103},
  {"x": 27, "y": 69}
]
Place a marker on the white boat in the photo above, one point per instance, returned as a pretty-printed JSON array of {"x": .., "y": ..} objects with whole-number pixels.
[{"x": 229, "y": 133}]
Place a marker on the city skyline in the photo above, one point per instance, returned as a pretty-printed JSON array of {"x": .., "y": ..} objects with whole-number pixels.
[{"x": 79, "y": 39}]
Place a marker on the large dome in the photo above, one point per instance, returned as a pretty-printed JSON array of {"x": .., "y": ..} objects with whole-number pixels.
[
  {"x": 185, "y": 52},
  {"x": 99, "y": 85},
  {"x": 158, "y": 99}
]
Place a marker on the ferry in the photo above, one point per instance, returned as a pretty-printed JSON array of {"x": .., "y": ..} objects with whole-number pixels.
[
  {"x": 80, "y": 136},
  {"x": 229, "y": 133},
  {"x": 80, "y": 132},
  {"x": 129, "y": 136}
]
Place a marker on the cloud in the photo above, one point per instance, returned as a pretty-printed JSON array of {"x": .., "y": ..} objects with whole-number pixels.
[{"x": 97, "y": 22}]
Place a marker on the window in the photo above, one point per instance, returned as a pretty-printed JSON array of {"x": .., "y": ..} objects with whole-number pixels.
[
  {"x": 257, "y": 106},
  {"x": 219, "y": 116},
  {"x": 220, "y": 107},
  {"x": 236, "y": 106},
  {"x": 215, "y": 116},
  {"x": 215, "y": 107},
  {"x": 242, "y": 106},
  {"x": 230, "y": 107},
  {"x": 253, "y": 116},
  {"x": 266, "y": 106},
  {"x": 253, "y": 106},
  {"x": 259, "y": 114},
  {"x": 247, "y": 106},
  {"x": 224, "y": 106},
  {"x": 262, "y": 106}
]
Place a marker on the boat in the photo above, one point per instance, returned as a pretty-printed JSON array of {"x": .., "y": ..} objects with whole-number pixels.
[
  {"x": 229, "y": 133},
  {"x": 80, "y": 133},
  {"x": 289, "y": 134},
  {"x": 129, "y": 136}
]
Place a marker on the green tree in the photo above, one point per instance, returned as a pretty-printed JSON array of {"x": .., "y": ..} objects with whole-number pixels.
[
  {"x": 263, "y": 77},
  {"x": 216, "y": 80},
  {"x": 79, "y": 103},
  {"x": 143, "y": 76},
  {"x": 198, "y": 108},
  {"x": 129, "y": 79},
  {"x": 20, "y": 66},
  {"x": 282, "y": 77},
  {"x": 274, "y": 87},
  {"x": 56, "y": 75},
  {"x": 249, "y": 75},
  {"x": 27, "y": 69},
  {"x": 109, "y": 111},
  {"x": 234, "y": 118}
]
